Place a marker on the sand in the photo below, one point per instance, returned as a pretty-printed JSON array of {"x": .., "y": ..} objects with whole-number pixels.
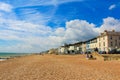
[{"x": 58, "y": 67}]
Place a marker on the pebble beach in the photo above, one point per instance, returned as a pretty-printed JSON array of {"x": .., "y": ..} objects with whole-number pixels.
[{"x": 58, "y": 67}]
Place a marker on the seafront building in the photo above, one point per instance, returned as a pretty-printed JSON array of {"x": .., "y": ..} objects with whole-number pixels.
[
  {"x": 71, "y": 48},
  {"x": 106, "y": 41},
  {"x": 63, "y": 49}
]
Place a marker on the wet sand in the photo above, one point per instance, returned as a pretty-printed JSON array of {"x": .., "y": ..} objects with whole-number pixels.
[{"x": 58, "y": 67}]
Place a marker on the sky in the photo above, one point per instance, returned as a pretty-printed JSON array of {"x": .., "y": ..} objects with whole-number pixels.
[{"x": 37, "y": 25}]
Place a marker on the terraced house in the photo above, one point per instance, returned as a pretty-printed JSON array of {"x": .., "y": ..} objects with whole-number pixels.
[
  {"x": 71, "y": 48},
  {"x": 106, "y": 41}
]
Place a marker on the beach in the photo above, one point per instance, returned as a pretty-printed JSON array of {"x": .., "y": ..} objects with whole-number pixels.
[{"x": 58, "y": 67}]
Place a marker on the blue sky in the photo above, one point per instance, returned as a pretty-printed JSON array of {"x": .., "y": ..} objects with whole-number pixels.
[{"x": 38, "y": 25}]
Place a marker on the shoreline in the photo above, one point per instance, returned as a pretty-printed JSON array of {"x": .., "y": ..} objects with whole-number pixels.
[
  {"x": 3, "y": 60},
  {"x": 10, "y": 57},
  {"x": 6, "y": 57}
]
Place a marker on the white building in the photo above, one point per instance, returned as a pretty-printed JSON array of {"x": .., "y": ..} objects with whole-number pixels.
[{"x": 106, "y": 41}]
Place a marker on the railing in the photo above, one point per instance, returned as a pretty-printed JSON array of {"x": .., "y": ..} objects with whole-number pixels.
[{"x": 111, "y": 56}]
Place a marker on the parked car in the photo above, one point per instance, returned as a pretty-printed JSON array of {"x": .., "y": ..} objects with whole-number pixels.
[
  {"x": 102, "y": 52},
  {"x": 114, "y": 51}
]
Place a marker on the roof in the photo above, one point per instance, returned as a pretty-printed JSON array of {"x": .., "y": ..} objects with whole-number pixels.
[{"x": 91, "y": 39}]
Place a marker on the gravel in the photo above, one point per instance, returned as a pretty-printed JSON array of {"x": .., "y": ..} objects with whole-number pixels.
[{"x": 58, "y": 67}]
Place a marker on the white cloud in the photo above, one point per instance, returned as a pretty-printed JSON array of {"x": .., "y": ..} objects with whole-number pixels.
[
  {"x": 36, "y": 38},
  {"x": 79, "y": 30},
  {"x": 27, "y": 9},
  {"x": 57, "y": 2},
  {"x": 60, "y": 31},
  {"x": 5, "y": 7},
  {"x": 41, "y": 2},
  {"x": 39, "y": 17},
  {"x": 110, "y": 23},
  {"x": 112, "y": 7},
  {"x": 33, "y": 37},
  {"x": 24, "y": 26}
]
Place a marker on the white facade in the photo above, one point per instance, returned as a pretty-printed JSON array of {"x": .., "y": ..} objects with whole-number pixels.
[
  {"x": 61, "y": 50},
  {"x": 107, "y": 41},
  {"x": 71, "y": 48}
]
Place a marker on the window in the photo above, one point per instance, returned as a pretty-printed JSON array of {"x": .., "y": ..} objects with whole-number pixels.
[
  {"x": 115, "y": 42},
  {"x": 100, "y": 49},
  {"x": 111, "y": 44},
  {"x": 103, "y": 38},
  {"x": 104, "y": 43},
  {"x": 99, "y": 44},
  {"x": 111, "y": 37},
  {"x": 104, "y": 49}
]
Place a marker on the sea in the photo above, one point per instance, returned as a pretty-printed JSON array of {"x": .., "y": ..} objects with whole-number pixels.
[{"x": 9, "y": 55}]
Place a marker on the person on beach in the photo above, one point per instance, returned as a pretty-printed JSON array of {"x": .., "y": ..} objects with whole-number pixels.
[
  {"x": 96, "y": 49},
  {"x": 87, "y": 55}
]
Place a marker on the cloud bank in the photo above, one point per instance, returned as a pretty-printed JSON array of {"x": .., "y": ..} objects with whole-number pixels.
[
  {"x": 25, "y": 36},
  {"x": 35, "y": 38},
  {"x": 5, "y": 7}
]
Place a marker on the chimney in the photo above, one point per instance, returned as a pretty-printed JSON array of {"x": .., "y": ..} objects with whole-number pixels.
[
  {"x": 101, "y": 34},
  {"x": 113, "y": 30},
  {"x": 105, "y": 30}
]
